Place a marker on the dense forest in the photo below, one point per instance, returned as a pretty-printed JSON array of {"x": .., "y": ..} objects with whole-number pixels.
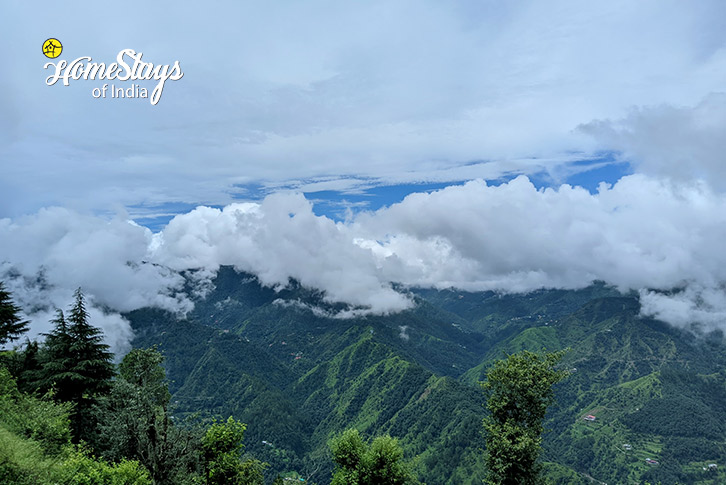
[{"x": 269, "y": 386}]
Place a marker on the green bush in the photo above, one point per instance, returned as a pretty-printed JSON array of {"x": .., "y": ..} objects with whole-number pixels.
[
  {"x": 22, "y": 461},
  {"x": 39, "y": 419},
  {"x": 79, "y": 468}
]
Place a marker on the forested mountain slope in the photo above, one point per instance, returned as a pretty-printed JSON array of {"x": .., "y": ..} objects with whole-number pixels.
[{"x": 279, "y": 362}]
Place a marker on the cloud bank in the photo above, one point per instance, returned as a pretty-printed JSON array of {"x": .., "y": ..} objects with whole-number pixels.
[
  {"x": 643, "y": 233},
  {"x": 44, "y": 257}
]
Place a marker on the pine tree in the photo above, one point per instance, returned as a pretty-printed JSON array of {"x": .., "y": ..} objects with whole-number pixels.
[
  {"x": 29, "y": 368},
  {"x": 93, "y": 360},
  {"x": 11, "y": 325},
  {"x": 57, "y": 361},
  {"x": 77, "y": 364}
]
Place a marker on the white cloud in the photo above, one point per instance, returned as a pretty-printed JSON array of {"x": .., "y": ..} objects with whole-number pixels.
[
  {"x": 643, "y": 233},
  {"x": 694, "y": 304},
  {"x": 684, "y": 143},
  {"x": 47, "y": 255},
  {"x": 73, "y": 250},
  {"x": 280, "y": 238}
]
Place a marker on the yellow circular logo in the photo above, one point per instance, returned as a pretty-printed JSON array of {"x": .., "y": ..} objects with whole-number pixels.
[{"x": 52, "y": 48}]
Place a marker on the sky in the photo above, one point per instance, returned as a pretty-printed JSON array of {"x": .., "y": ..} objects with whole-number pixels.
[{"x": 355, "y": 145}]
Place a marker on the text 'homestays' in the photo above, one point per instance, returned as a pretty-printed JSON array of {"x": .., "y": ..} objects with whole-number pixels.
[{"x": 128, "y": 67}]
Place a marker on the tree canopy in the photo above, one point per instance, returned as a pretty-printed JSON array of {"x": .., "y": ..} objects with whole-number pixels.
[
  {"x": 222, "y": 446},
  {"x": 134, "y": 421},
  {"x": 357, "y": 463},
  {"x": 11, "y": 324},
  {"x": 77, "y": 365},
  {"x": 519, "y": 390}
]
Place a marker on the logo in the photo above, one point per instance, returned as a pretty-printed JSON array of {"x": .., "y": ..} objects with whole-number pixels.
[
  {"x": 52, "y": 48},
  {"x": 129, "y": 66}
]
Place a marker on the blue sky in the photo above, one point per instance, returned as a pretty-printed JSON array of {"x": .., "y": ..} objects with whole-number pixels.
[
  {"x": 372, "y": 195},
  {"x": 339, "y": 205}
]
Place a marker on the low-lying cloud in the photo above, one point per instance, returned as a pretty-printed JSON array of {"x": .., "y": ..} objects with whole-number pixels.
[
  {"x": 47, "y": 255},
  {"x": 643, "y": 233}
]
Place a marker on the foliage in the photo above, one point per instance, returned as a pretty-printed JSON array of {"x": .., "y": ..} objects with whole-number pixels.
[
  {"x": 80, "y": 468},
  {"x": 296, "y": 406},
  {"x": 348, "y": 450},
  {"x": 134, "y": 421},
  {"x": 35, "y": 445},
  {"x": 252, "y": 472},
  {"x": 11, "y": 324},
  {"x": 23, "y": 461},
  {"x": 58, "y": 364},
  {"x": 93, "y": 358},
  {"x": 297, "y": 377},
  {"x": 26, "y": 367},
  {"x": 142, "y": 368},
  {"x": 519, "y": 392},
  {"x": 228, "y": 358},
  {"x": 381, "y": 463},
  {"x": 77, "y": 365},
  {"x": 38, "y": 419},
  {"x": 222, "y": 446}
]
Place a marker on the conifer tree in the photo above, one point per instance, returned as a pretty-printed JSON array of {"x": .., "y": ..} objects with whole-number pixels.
[
  {"x": 29, "y": 369},
  {"x": 93, "y": 360},
  {"x": 57, "y": 361},
  {"x": 77, "y": 364},
  {"x": 11, "y": 325}
]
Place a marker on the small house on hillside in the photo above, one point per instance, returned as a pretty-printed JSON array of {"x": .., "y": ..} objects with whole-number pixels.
[
  {"x": 589, "y": 417},
  {"x": 651, "y": 461}
]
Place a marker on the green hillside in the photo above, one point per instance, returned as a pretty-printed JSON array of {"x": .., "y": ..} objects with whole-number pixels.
[
  {"x": 279, "y": 362},
  {"x": 360, "y": 381}
]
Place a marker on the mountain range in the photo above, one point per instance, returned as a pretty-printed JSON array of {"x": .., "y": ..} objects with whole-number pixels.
[{"x": 643, "y": 401}]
